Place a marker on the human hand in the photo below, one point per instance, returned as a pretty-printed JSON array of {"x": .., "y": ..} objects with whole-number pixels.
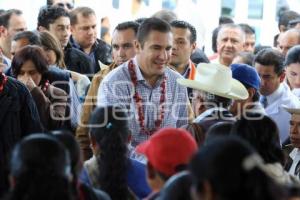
[{"x": 28, "y": 82}]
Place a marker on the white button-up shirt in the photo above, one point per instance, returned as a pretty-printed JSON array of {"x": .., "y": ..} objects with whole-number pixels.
[{"x": 282, "y": 97}]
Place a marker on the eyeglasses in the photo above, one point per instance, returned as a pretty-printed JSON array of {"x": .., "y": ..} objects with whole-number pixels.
[{"x": 68, "y": 5}]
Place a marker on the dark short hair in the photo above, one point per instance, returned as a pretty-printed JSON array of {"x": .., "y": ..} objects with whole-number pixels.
[
  {"x": 5, "y": 16},
  {"x": 33, "y": 53},
  {"x": 214, "y": 39},
  {"x": 271, "y": 57},
  {"x": 260, "y": 47},
  {"x": 287, "y": 16},
  {"x": 84, "y": 11},
  {"x": 247, "y": 57},
  {"x": 247, "y": 29},
  {"x": 225, "y": 20},
  {"x": 31, "y": 36},
  {"x": 48, "y": 15},
  {"x": 151, "y": 24},
  {"x": 50, "y": 2},
  {"x": 293, "y": 55},
  {"x": 186, "y": 25},
  {"x": 140, "y": 20},
  {"x": 128, "y": 25},
  {"x": 266, "y": 144},
  {"x": 221, "y": 162},
  {"x": 256, "y": 95}
]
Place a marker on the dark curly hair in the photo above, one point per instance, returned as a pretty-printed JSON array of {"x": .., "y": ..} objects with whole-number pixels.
[{"x": 48, "y": 15}]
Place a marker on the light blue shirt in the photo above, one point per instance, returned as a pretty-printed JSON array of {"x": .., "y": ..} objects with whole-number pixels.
[{"x": 117, "y": 89}]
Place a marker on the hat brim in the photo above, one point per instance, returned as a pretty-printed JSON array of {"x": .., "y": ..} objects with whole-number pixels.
[
  {"x": 292, "y": 110},
  {"x": 237, "y": 92},
  {"x": 142, "y": 148}
]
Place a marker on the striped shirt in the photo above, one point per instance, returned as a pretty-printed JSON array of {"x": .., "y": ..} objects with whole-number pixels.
[{"x": 117, "y": 89}]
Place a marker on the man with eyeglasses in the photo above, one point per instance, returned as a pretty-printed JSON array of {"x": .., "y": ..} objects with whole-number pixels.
[{"x": 68, "y": 5}]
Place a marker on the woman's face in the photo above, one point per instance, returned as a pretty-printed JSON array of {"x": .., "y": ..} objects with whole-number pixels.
[
  {"x": 28, "y": 70},
  {"x": 293, "y": 75},
  {"x": 51, "y": 56}
]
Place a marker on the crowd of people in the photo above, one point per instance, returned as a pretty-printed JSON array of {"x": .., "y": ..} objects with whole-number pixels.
[{"x": 147, "y": 115}]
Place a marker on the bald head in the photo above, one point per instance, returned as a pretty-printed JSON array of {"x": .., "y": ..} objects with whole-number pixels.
[{"x": 288, "y": 39}]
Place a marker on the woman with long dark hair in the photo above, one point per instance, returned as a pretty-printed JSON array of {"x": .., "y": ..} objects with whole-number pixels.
[
  {"x": 40, "y": 170},
  {"x": 29, "y": 66},
  {"x": 80, "y": 191},
  {"x": 227, "y": 168},
  {"x": 262, "y": 133},
  {"x": 110, "y": 169}
]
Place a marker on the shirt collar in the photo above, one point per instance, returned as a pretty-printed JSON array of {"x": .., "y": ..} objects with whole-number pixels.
[
  {"x": 295, "y": 153},
  {"x": 139, "y": 74},
  {"x": 208, "y": 112},
  {"x": 77, "y": 46},
  {"x": 187, "y": 70},
  {"x": 275, "y": 95}
]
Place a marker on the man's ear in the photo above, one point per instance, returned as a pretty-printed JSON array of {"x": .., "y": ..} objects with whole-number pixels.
[
  {"x": 194, "y": 45},
  {"x": 72, "y": 28},
  {"x": 3, "y": 31},
  {"x": 282, "y": 28},
  {"x": 41, "y": 29},
  {"x": 137, "y": 46},
  {"x": 282, "y": 76}
]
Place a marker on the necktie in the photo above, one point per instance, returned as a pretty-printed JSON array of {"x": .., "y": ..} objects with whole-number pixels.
[
  {"x": 264, "y": 101},
  {"x": 297, "y": 169}
]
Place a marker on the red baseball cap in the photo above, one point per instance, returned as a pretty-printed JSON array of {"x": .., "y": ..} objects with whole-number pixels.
[{"x": 168, "y": 148}]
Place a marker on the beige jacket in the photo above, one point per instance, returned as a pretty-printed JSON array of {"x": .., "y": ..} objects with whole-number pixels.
[{"x": 87, "y": 108}]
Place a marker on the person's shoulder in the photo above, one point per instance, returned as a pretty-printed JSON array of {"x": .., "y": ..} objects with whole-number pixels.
[
  {"x": 170, "y": 71},
  {"x": 119, "y": 73},
  {"x": 290, "y": 100},
  {"x": 100, "y": 44},
  {"x": 57, "y": 92},
  {"x": 13, "y": 84},
  {"x": 74, "y": 52},
  {"x": 59, "y": 73}
]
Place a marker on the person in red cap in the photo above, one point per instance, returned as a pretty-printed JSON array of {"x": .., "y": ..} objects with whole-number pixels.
[{"x": 168, "y": 152}]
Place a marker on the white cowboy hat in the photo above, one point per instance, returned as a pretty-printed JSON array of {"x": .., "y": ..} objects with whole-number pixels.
[
  {"x": 216, "y": 79},
  {"x": 292, "y": 110}
]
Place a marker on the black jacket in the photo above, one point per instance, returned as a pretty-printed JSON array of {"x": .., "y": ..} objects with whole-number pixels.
[
  {"x": 59, "y": 78},
  {"x": 18, "y": 118},
  {"x": 92, "y": 193},
  {"x": 77, "y": 61},
  {"x": 102, "y": 53}
]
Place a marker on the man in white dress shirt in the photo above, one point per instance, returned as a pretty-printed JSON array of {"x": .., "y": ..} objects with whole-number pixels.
[{"x": 275, "y": 93}]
